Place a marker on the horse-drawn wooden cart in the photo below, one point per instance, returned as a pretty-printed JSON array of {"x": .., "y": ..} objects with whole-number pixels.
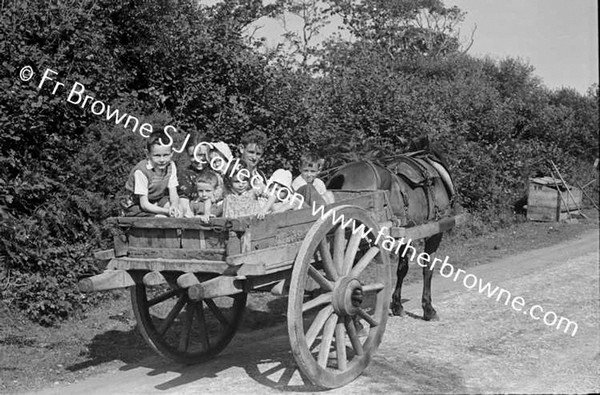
[{"x": 189, "y": 281}]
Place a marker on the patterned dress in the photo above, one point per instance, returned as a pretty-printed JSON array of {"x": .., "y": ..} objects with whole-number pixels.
[{"x": 242, "y": 205}]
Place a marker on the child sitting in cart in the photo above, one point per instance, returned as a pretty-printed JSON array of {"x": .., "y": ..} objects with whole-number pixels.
[
  {"x": 251, "y": 150},
  {"x": 152, "y": 182},
  {"x": 219, "y": 157},
  {"x": 281, "y": 196},
  {"x": 205, "y": 204},
  {"x": 241, "y": 199},
  {"x": 197, "y": 155},
  {"x": 308, "y": 184}
]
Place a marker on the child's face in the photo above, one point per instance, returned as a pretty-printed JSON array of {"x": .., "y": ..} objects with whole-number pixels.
[
  {"x": 251, "y": 154},
  {"x": 200, "y": 154},
  {"x": 205, "y": 191},
  {"x": 280, "y": 191},
  {"x": 309, "y": 173},
  {"x": 160, "y": 156},
  {"x": 217, "y": 163},
  {"x": 239, "y": 184}
]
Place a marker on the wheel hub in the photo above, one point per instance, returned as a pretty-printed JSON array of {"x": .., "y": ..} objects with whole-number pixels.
[{"x": 347, "y": 296}]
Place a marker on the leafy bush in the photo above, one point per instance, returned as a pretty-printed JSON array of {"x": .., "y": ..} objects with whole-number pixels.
[
  {"x": 164, "y": 62},
  {"x": 174, "y": 62}
]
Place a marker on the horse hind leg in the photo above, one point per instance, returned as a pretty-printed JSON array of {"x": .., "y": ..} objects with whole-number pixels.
[
  {"x": 431, "y": 246},
  {"x": 396, "y": 303}
]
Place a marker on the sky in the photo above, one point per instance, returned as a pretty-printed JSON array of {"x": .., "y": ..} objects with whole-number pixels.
[{"x": 558, "y": 37}]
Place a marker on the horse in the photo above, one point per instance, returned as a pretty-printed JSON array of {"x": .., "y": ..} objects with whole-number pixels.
[{"x": 420, "y": 189}]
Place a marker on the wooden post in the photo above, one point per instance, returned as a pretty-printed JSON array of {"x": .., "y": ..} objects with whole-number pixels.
[
  {"x": 568, "y": 190},
  {"x": 187, "y": 280},
  {"x": 110, "y": 279},
  {"x": 154, "y": 278},
  {"x": 586, "y": 195},
  {"x": 121, "y": 244},
  {"x": 234, "y": 245},
  {"x": 562, "y": 198},
  {"x": 215, "y": 287}
]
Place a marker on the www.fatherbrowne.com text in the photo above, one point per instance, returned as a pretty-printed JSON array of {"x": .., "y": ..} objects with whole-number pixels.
[{"x": 447, "y": 270}]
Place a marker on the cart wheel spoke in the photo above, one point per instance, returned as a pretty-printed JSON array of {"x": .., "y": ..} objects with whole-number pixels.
[
  {"x": 273, "y": 370},
  {"x": 328, "y": 265},
  {"x": 286, "y": 375},
  {"x": 365, "y": 316},
  {"x": 166, "y": 324},
  {"x": 202, "y": 326},
  {"x": 180, "y": 329},
  {"x": 354, "y": 340},
  {"x": 339, "y": 245},
  {"x": 326, "y": 340},
  {"x": 318, "y": 301},
  {"x": 317, "y": 325},
  {"x": 354, "y": 288},
  {"x": 351, "y": 251},
  {"x": 217, "y": 312},
  {"x": 340, "y": 345},
  {"x": 375, "y": 287},
  {"x": 184, "y": 339},
  {"x": 363, "y": 262},
  {"x": 163, "y": 297},
  {"x": 319, "y": 278}
]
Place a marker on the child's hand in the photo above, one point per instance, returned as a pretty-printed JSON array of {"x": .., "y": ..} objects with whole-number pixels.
[
  {"x": 174, "y": 212},
  {"x": 261, "y": 214},
  {"x": 205, "y": 218}
]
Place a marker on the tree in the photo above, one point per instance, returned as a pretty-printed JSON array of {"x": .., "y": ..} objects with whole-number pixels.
[
  {"x": 300, "y": 48},
  {"x": 403, "y": 28}
]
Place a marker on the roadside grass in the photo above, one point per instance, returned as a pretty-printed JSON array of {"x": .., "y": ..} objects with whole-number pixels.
[{"x": 104, "y": 338}]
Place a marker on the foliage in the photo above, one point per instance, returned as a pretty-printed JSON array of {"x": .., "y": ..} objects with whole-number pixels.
[
  {"x": 403, "y": 75},
  {"x": 403, "y": 28},
  {"x": 162, "y": 61},
  {"x": 496, "y": 121},
  {"x": 300, "y": 47}
]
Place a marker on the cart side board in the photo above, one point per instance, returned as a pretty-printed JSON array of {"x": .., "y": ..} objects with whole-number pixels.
[{"x": 243, "y": 248}]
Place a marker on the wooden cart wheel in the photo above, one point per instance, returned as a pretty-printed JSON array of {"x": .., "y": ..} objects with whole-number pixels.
[
  {"x": 339, "y": 294},
  {"x": 179, "y": 328}
]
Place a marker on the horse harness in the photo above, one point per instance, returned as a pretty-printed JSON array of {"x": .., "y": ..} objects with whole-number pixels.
[{"x": 418, "y": 173}]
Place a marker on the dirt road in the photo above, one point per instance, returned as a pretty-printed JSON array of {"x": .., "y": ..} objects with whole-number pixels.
[{"x": 479, "y": 345}]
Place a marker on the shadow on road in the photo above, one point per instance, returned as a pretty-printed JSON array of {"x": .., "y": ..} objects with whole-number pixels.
[
  {"x": 261, "y": 348},
  {"x": 114, "y": 345}
]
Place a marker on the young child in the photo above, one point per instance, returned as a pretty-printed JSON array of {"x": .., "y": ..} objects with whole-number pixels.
[
  {"x": 204, "y": 203},
  {"x": 153, "y": 181},
  {"x": 251, "y": 150},
  {"x": 218, "y": 156},
  {"x": 241, "y": 199},
  {"x": 197, "y": 162},
  {"x": 281, "y": 197},
  {"x": 307, "y": 182}
]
